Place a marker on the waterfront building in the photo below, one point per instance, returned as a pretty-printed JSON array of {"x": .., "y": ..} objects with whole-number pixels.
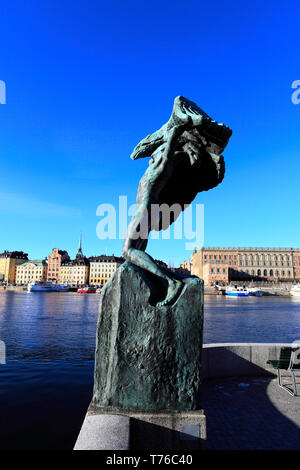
[
  {"x": 186, "y": 267},
  {"x": 222, "y": 265},
  {"x": 102, "y": 268},
  {"x": 9, "y": 260},
  {"x": 55, "y": 259},
  {"x": 75, "y": 272},
  {"x": 32, "y": 271}
]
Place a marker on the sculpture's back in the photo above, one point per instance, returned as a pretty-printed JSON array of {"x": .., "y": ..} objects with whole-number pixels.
[{"x": 149, "y": 335}]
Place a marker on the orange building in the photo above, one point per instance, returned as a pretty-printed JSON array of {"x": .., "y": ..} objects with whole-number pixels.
[
  {"x": 55, "y": 260},
  {"x": 223, "y": 264}
]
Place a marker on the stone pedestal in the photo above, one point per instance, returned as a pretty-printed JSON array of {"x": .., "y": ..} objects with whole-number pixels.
[
  {"x": 147, "y": 366},
  {"x": 148, "y": 357},
  {"x": 161, "y": 431}
]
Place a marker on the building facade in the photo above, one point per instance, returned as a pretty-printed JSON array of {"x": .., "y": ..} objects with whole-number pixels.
[
  {"x": 186, "y": 267},
  {"x": 32, "y": 271},
  {"x": 223, "y": 264},
  {"x": 75, "y": 272},
  {"x": 55, "y": 260},
  {"x": 102, "y": 268},
  {"x": 9, "y": 260}
]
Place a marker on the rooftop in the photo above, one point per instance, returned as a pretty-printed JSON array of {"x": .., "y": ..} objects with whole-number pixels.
[{"x": 14, "y": 254}]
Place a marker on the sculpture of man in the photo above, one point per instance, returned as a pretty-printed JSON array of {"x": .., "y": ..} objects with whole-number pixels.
[{"x": 185, "y": 159}]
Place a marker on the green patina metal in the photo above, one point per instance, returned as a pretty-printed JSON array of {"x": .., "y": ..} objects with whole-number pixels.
[
  {"x": 149, "y": 336},
  {"x": 148, "y": 357}
]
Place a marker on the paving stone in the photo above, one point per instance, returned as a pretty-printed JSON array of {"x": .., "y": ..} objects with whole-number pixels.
[{"x": 263, "y": 417}]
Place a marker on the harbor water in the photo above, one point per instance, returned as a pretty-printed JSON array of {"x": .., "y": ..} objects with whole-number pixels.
[{"x": 47, "y": 380}]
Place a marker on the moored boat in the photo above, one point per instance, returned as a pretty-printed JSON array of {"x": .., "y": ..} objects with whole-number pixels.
[
  {"x": 40, "y": 287},
  {"x": 237, "y": 292},
  {"x": 255, "y": 291},
  {"x": 61, "y": 287},
  {"x": 47, "y": 287},
  {"x": 86, "y": 290},
  {"x": 295, "y": 290}
]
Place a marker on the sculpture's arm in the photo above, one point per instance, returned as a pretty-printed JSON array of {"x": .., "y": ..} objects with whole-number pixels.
[
  {"x": 148, "y": 145},
  {"x": 172, "y": 139}
]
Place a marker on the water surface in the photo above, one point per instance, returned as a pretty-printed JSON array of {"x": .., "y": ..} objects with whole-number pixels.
[{"x": 46, "y": 383}]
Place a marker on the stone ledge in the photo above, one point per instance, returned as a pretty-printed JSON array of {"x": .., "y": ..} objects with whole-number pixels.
[
  {"x": 165, "y": 430},
  {"x": 239, "y": 359}
]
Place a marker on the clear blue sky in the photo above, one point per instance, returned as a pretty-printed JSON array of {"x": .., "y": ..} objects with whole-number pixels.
[{"x": 86, "y": 80}]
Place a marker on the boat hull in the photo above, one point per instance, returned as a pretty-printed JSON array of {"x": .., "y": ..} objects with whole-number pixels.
[
  {"x": 47, "y": 288},
  {"x": 237, "y": 294},
  {"x": 86, "y": 291},
  {"x": 40, "y": 289}
]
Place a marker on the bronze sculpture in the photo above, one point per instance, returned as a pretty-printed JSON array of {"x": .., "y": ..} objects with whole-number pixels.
[{"x": 185, "y": 149}]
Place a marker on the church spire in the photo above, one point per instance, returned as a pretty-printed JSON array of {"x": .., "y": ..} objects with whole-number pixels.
[{"x": 79, "y": 252}]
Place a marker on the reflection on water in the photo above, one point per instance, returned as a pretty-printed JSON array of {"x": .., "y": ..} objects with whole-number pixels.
[
  {"x": 62, "y": 325},
  {"x": 48, "y": 326},
  {"x": 251, "y": 319},
  {"x": 46, "y": 384}
]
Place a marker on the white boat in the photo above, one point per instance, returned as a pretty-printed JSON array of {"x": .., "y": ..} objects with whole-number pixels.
[
  {"x": 47, "y": 287},
  {"x": 295, "y": 290},
  {"x": 237, "y": 291},
  {"x": 40, "y": 287},
  {"x": 255, "y": 291}
]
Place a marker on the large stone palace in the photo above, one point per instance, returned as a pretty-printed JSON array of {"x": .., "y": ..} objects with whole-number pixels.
[{"x": 222, "y": 265}]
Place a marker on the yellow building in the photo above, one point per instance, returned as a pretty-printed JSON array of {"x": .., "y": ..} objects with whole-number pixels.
[
  {"x": 102, "y": 268},
  {"x": 75, "y": 273},
  {"x": 31, "y": 271},
  {"x": 9, "y": 260}
]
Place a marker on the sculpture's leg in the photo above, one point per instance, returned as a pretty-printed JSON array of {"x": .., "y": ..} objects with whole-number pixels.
[{"x": 134, "y": 251}]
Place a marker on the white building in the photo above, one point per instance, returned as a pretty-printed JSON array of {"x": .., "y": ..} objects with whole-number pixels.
[{"x": 31, "y": 271}]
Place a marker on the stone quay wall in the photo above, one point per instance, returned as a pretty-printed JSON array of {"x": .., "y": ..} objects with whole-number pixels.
[{"x": 239, "y": 359}]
